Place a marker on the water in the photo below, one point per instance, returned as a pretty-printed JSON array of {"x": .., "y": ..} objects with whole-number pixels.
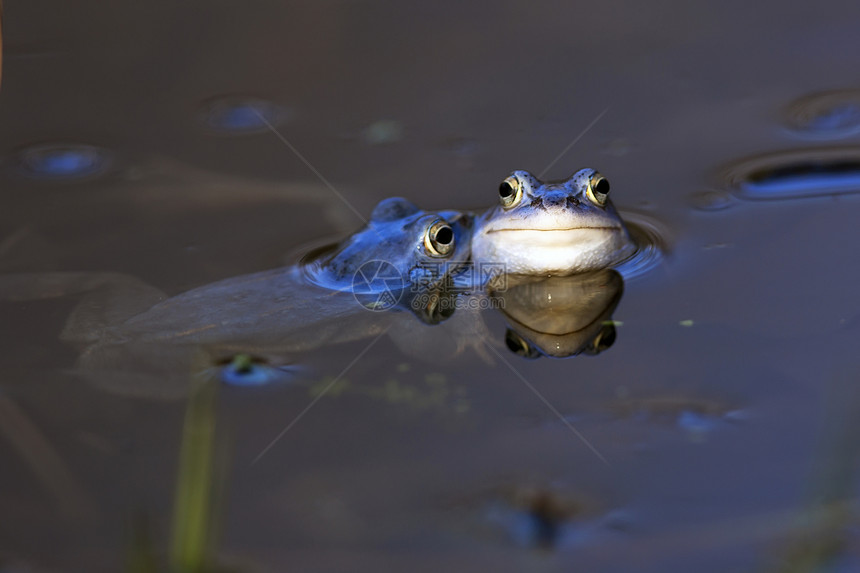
[{"x": 409, "y": 454}]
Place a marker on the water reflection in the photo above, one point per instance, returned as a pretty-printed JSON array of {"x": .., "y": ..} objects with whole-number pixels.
[
  {"x": 62, "y": 161},
  {"x": 560, "y": 316},
  {"x": 810, "y": 172},
  {"x": 238, "y": 115},
  {"x": 255, "y": 329}
]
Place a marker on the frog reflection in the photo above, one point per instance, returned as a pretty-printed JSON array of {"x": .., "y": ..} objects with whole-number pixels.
[
  {"x": 561, "y": 316},
  {"x": 544, "y": 316}
]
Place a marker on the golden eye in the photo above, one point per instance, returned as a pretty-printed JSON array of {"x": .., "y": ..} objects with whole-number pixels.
[
  {"x": 598, "y": 189},
  {"x": 439, "y": 239},
  {"x": 510, "y": 192}
]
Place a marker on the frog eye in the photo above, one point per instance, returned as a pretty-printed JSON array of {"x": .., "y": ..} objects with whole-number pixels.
[
  {"x": 598, "y": 189},
  {"x": 439, "y": 239},
  {"x": 510, "y": 192}
]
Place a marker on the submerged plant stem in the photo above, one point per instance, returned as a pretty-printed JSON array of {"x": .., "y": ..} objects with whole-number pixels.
[{"x": 191, "y": 541}]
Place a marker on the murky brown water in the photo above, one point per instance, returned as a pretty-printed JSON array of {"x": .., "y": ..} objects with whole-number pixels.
[{"x": 724, "y": 409}]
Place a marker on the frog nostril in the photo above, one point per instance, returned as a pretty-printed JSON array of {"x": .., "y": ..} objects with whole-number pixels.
[{"x": 554, "y": 199}]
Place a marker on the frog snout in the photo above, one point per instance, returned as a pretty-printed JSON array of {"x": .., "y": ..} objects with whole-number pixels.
[{"x": 555, "y": 199}]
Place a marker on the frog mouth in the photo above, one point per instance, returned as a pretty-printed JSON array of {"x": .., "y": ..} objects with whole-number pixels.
[
  {"x": 559, "y": 238},
  {"x": 554, "y": 230}
]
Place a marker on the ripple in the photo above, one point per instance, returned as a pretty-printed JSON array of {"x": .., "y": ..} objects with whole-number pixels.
[
  {"x": 62, "y": 161},
  {"x": 241, "y": 115},
  {"x": 650, "y": 238},
  {"x": 798, "y": 173},
  {"x": 825, "y": 115}
]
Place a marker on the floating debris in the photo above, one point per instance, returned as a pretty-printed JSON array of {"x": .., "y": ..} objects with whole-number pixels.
[
  {"x": 62, "y": 161},
  {"x": 241, "y": 115},
  {"x": 383, "y": 132},
  {"x": 825, "y": 115},
  {"x": 798, "y": 173}
]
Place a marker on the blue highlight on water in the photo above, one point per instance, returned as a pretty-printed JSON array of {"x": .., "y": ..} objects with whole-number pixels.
[
  {"x": 241, "y": 115},
  {"x": 812, "y": 172},
  {"x": 62, "y": 161}
]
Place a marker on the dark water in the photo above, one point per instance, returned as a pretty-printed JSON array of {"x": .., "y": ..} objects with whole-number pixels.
[{"x": 135, "y": 139}]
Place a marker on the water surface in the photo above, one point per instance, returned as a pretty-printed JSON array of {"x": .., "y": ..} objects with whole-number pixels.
[{"x": 718, "y": 409}]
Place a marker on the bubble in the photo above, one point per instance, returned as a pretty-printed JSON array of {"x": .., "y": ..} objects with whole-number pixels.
[
  {"x": 825, "y": 115},
  {"x": 241, "y": 115},
  {"x": 798, "y": 173},
  {"x": 62, "y": 161}
]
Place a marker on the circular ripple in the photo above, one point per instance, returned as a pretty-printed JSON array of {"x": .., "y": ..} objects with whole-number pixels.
[
  {"x": 62, "y": 161},
  {"x": 825, "y": 115},
  {"x": 649, "y": 236},
  {"x": 241, "y": 115},
  {"x": 798, "y": 173}
]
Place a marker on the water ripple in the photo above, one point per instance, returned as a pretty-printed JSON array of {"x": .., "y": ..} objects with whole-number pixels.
[
  {"x": 797, "y": 173},
  {"x": 651, "y": 239}
]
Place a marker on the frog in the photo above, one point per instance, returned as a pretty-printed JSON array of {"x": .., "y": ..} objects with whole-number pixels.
[
  {"x": 135, "y": 340},
  {"x": 552, "y": 228},
  {"x": 400, "y": 239}
]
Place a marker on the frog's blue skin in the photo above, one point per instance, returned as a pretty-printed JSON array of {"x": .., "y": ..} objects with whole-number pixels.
[
  {"x": 396, "y": 235},
  {"x": 553, "y": 228}
]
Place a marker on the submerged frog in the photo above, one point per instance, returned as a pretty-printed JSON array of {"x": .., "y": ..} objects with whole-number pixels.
[
  {"x": 131, "y": 335},
  {"x": 555, "y": 227},
  {"x": 401, "y": 240}
]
